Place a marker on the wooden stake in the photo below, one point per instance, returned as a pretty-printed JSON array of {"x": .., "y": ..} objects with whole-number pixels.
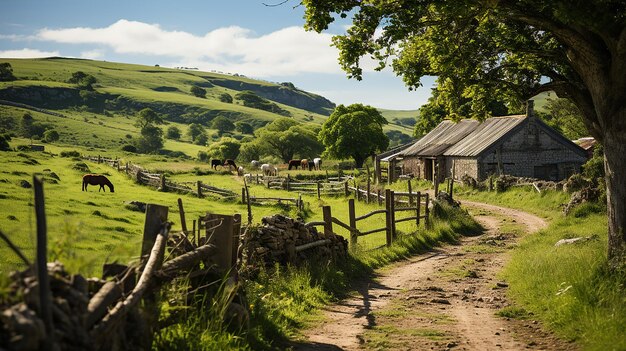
[
  {"x": 328, "y": 221},
  {"x": 181, "y": 210},
  {"x": 353, "y": 231},
  {"x": 45, "y": 299}
]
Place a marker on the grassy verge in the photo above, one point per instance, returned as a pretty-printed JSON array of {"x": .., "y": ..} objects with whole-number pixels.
[{"x": 568, "y": 287}]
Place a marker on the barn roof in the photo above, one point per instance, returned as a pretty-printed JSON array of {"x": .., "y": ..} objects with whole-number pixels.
[
  {"x": 393, "y": 152},
  {"x": 440, "y": 139},
  {"x": 485, "y": 135}
]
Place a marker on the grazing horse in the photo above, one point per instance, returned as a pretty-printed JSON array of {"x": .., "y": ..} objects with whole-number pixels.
[
  {"x": 304, "y": 163},
  {"x": 255, "y": 164},
  {"x": 96, "y": 179},
  {"x": 240, "y": 171},
  {"x": 317, "y": 162},
  {"x": 229, "y": 163},
  {"x": 294, "y": 163},
  {"x": 215, "y": 163},
  {"x": 268, "y": 169}
]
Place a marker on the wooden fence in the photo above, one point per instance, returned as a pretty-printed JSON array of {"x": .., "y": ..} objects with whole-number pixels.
[
  {"x": 330, "y": 186},
  {"x": 159, "y": 180},
  {"x": 393, "y": 205}
]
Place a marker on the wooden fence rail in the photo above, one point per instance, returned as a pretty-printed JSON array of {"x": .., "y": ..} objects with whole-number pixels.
[{"x": 390, "y": 212}]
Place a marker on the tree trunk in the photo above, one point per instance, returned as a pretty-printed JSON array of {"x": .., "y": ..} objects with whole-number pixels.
[
  {"x": 358, "y": 161},
  {"x": 615, "y": 167}
]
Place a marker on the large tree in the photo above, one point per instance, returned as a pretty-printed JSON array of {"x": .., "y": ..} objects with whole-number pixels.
[
  {"x": 354, "y": 131},
  {"x": 286, "y": 138},
  {"x": 507, "y": 48}
]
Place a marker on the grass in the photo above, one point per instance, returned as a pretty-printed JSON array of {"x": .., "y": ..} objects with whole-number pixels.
[{"x": 567, "y": 287}]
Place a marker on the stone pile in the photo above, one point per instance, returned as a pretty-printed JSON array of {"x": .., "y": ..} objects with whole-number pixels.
[
  {"x": 281, "y": 240},
  {"x": 23, "y": 329}
]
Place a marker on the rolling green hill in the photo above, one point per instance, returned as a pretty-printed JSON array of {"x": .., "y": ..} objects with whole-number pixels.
[{"x": 103, "y": 116}]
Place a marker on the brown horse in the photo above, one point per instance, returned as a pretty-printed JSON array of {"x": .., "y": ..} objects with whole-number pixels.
[{"x": 96, "y": 179}]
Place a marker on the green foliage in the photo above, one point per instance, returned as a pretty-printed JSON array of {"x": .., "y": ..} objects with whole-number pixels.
[
  {"x": 244, "y": 127},
  {"x": 226, "y": 98},
  {"x": 249, "y": 151},
  {"x": 594, "y": 167},
  {"x": 354, "y": 131},
  {"x": 203, "y": 156},
  {"x": 201, "y": 139},
  {"x": 129, "y": 148},
  {"x": 6, "y": 72},
  {"x": 151, "y": 139},
  {"x": 148, "y": 116},
  {"x": 173, "y": 132},
  {"x": 51, "y": 135},
  {"x": 565, "y": 117},
  {"x": 83, "y": 80},
  {"x": 72, "y": 153},
  {"x": 250, "y": 99},
  {"x": 225, "y": 148},
  {"x": 223, "y": 125},
  {"x": 198, "y": 91},
  {"x": 195, "y": 130},
  {"x": 285, "y": 138},
  {"x": 4, "y": 142}
]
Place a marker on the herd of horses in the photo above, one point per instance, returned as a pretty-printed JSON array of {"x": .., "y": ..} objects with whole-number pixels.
[{"x": 267, "y": 169}]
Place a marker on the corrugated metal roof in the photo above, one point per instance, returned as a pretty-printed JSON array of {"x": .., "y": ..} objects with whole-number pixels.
[
  {"x": 586, "y": 143},
  {"x": 485, "y": 135},
  {"x": 384, "y": 156},
  {"x": 438, "y": 140}
]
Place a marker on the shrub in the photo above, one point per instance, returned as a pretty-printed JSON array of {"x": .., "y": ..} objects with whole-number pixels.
[
  {"x": 198, "y": 92},
  {"x": 73, "y": 153},
  {"x": 203, "y": 156},
  {"x": 225, "y": 97},
  {"x": 51, "y": 136},
  {"x": 4, "y": 143},
  {"x": 129, "y": 148}
]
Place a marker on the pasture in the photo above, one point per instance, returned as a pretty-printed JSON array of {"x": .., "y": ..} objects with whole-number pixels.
[{"x": 89, "y": 228}]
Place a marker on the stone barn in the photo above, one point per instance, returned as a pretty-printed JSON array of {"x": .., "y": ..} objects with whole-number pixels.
[{"x": 521, "y": 146}]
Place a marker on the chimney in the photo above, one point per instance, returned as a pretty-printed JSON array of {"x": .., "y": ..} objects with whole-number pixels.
[{"x": 530, "y": 108}]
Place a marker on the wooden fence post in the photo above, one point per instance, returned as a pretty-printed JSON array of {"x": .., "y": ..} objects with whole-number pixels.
[
  {"x": 328, "y": 221},
  {"x": 368, "y": 186},
  {"x": 353, "y": 231},
  {"x": 126, "y": 167},
  {"x": 243, "y": 195},
  {"x": 139, "y": 176},
  {"x": 356, "y": 191},
  {"x": 194, "y": 233},
  {"x": 223, "y": 237},
  {"x": 99, "y": 159},
  {"x": 427, "y": 212},
  {"x": 288, "y": 180},
  {"x": 319, "y": 190},
  {"x": 410, "y": 193},
  {"x": 45, "y": 298},
  {"x": 378, "y": 197},
  {"x": 300, "y": 203},
  {"x": 199, "y": 188},
  {"x": 181, "y": 210},
  {"x": 347, "y": 191},
  {"x": 163, "y": 187},
  {"x": 156, "y": 215},
  {"x": 392, "y": 215},
  {"x": 236, "y": 237},
  {"x": 418, "y": 205},
  {"x": 388, "y": 216}
]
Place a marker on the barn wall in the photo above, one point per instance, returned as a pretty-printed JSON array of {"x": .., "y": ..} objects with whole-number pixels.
[
  {"x": 531, "y": 152},
  {"x": 462, "y": 166},
  {"x": 412, "y": 165}
]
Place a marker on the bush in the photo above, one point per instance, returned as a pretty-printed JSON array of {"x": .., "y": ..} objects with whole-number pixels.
[
  {"x": 198, "y": 92},
  {"x": 225, "y": 97},
  {"x": 129, "y": 148},
  {"x": 51, "y": 136},
  {"x": 203, "y": 156},
  {"x": 4, "y": 143},
  {"x": 73, "y": 153}
]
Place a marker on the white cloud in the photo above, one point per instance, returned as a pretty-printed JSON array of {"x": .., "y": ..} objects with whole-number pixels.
[
  {"x": 27, "y": 53},
  {"x": 92, "y": 54},
  {"x": 290, "y": 50}
]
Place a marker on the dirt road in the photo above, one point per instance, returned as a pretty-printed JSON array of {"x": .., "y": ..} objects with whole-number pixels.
[{"x": 443, "y": 300}]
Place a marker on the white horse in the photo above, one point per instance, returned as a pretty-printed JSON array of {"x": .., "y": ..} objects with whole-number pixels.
[
  {"x": 255, "y": 164},
  {"x": 267, "y": 169},
  {"x": 240, "y": 171},
  {"x": 317, "y": 162}
]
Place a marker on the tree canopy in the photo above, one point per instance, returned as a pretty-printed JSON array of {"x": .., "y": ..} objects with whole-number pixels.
[
  {"x": 198, "y": 91},
  {"x": 354, "y": 131},
  {"x": 512, "y": 49},
  {"x": 285, "y": 138},
  {"x": 148, "y": 116},
  {"x": 6, "y": 72}
]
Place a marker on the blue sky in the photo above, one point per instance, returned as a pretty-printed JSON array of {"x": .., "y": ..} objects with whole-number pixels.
[{"x": 232, "y": 36}]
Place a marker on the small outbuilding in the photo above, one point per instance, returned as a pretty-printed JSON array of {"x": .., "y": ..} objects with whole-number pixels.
[{"x": 520, "y": 145}]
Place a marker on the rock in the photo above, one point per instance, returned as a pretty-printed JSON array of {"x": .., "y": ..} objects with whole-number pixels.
[
  {"x": 575, "y": 240},
  {"x": 441, "y": 301}
]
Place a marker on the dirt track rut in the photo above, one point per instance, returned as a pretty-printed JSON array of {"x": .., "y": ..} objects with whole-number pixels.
[{"x": 443, "y": 300}]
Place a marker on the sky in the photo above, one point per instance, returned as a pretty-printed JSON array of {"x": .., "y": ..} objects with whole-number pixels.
[{"x": 232, "y": 36}]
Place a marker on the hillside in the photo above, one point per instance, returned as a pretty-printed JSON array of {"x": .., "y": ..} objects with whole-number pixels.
[{"x": 107, "y": 107}]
